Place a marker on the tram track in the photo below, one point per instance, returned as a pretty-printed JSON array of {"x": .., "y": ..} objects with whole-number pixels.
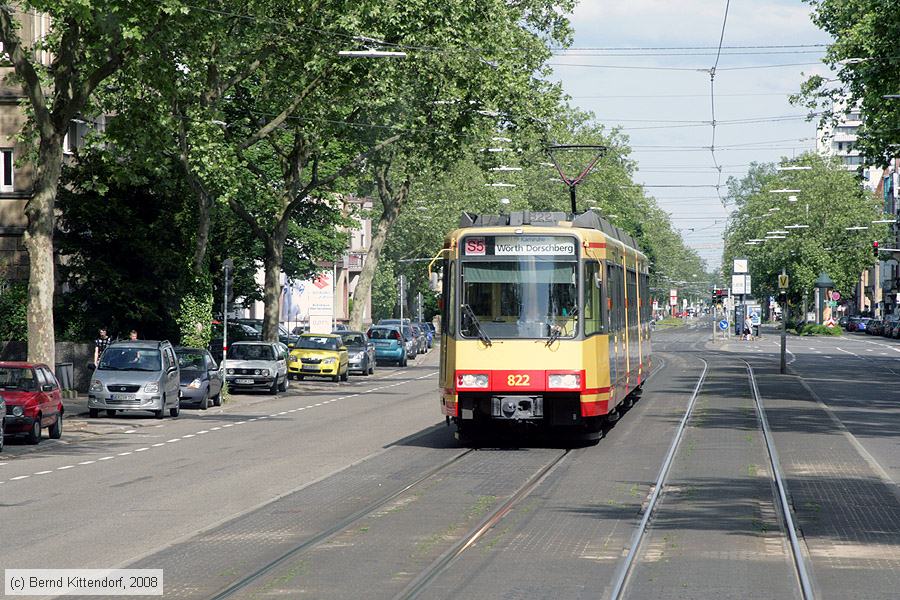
[{"x": 801, "y": 569}]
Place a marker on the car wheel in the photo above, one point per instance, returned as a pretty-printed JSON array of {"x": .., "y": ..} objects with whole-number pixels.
[
  {"x": 94, "y": 412},
  {"x": 275, "y": 387},
  {"x": 284, "y": 384},
  {"x": 159, "y": 414},
  {"x": 204, "y": 402},
  {"x": 336, "y": 378},
  {"x": 346, "y": 375},
  {"x": 371, "y": 367},
  {"x": 34, "y": 436},
  {"x": 175, "y": 410},
  {"x": 2, "y": 433},
  {"x": 217, "y": 399},
  {"x": 110, "y": 412},
  {"x": 299, "y": 377},
  {"x": 56, "y": 428}
]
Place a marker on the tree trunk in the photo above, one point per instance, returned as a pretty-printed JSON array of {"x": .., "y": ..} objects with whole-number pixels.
[
  {"x": 204, "y": 205},
  {"x": 40, "y": 211},
  {"x": 272, "y": 286},
  {"x": 392, "y": 204}
]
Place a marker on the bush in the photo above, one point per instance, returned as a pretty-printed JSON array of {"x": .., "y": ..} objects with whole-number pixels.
[
  {"x": 811, "y": 329},
  {"x": 195, "y": 319},
  {"x": 14, "y": 313}
]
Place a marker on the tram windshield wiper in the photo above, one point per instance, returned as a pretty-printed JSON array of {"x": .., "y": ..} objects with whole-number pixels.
[
  {"x": 556, "y": 330},
  {"x": 470, "y": 314}
]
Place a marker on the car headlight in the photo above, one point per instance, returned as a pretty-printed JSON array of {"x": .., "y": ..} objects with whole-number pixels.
[
  {"x": 152, "y": 387},
  {"x": 96, "y": 386},
  {"x": 294, "y": 359},
  {"x": 472, "y": 380},
  {"x": 329, "y": 361},
  {"x": 264, "y": 372},
  {"x": 359, "y": 355},
  {"x": 195, "y": 384},
  {"x": 568, "y": 381},
  {"x": 17, "y": 411},
  {"x": 230, "y": 371}
]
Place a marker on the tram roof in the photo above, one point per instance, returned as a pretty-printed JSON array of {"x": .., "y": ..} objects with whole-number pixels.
[{"x": 586, "y": 220}]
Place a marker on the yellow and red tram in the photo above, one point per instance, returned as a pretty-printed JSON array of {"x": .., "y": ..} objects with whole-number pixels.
[{"x": 545, "y": 320}]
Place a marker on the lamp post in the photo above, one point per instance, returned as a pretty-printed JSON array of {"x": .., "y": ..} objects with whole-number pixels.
[{"x": 228, "y": 269}]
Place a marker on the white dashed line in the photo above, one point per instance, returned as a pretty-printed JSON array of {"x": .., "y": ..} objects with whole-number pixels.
[
  {"x": 19, "y": 477},
  {"x": 240, "y": 422},
  {"x": 190, "y": 435},
  {"x": 143, "y": 449},
  {"x": 65, "y": 467},
  {"x": 261, "y": 418},
  {"x": 87, "y": 462},
  {"x": 131, "y": 431},
  {"x": 202, "y": 432},
  {"x": 43, "y": 472},
  {"x": 123, "y": 453},
  {"x": 173, "y": 440},
  {"x": 159, "y": 444},
  {"x": 106, "y": 458},
  {"x": 215, "y": 428},
  {"x": 228, "y": 425}
]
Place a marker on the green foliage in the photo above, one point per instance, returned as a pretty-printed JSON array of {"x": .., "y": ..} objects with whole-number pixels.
[
  {"x": 195, "y": 319},
  {"x": 864, "y": 53},
  {"x": 384, "y": 292},
  {"x": 13, "y": 313},
  {"x": 831, "y": 200},
  {"x": 812, "y": 329}
]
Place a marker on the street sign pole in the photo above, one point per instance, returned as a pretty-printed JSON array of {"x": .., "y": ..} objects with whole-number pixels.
[{"x": 783, "y": 284}]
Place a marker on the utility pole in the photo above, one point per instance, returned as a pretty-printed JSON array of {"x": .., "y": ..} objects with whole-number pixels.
[
  {"x": 402, "y": 298},
  {"x": 783, "y": 284},
  {"x": 228, "y": 268}
]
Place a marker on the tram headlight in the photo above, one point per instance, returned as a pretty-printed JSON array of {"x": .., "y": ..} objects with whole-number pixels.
[
  {"x": 472, "y": 380},
  {"x": 566, "y": 381}
]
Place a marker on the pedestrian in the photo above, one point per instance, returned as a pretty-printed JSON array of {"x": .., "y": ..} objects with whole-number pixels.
[
  {"x": 100, "y": 344},
  {"x": 132, "y": 335},
  {"x": 748, "y": 332}
]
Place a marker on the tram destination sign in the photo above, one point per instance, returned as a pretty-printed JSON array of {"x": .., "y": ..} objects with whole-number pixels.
[{"x": 534, "y": 245}]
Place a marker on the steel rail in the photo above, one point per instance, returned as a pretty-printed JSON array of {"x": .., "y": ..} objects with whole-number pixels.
[
  {"x": 444, "y": 560},
  {"x": 333, "y": 530},
  {"x": 625, "y": 568},
  {"x": 806, "y": 587}
]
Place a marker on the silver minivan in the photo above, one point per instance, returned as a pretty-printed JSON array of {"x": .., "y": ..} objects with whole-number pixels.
[{"x": 136, "y": 375}]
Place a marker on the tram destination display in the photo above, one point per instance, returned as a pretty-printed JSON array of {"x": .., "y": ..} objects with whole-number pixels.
[{"x": 519, "y": 245}]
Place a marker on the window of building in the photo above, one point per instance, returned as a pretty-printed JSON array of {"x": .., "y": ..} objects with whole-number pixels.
[{"x": 6, "y": 169}]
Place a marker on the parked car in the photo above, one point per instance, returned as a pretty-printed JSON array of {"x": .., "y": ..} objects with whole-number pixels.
[
  {"x": 852, "y": 323},
  {"x": 390, "y": 346},
  {"x": 889, "y": 323},
  {"x": 32, "y": 401},
  {"x": 842, "y": 322},
  {"x": 236, "y": 333},
  {"x": 875, "y": 327},
  {"x": 429, "y": 334},
  {"x": 420, "y": 339},
  {"x": 320, "y": 354},
  {"x": 2, "y": 421},
  {"x": 257, "y": 366},
  {"x": 394, "y": 322},
  {"x": 360, "y": 350},
  {"x": 201, "y": 377},
  {"x": 136, "y": 375},
  {"x": 863, "y": 323},
  {"x": 284, "y": 336}
]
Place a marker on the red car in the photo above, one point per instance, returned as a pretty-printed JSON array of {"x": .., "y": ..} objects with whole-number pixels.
[{"x": 33, "y": 400}]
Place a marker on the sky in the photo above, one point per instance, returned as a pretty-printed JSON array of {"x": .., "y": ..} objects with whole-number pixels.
[{"x": 663, "y": 102}]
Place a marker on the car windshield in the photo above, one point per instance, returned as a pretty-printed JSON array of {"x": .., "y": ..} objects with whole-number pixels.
[
  {"x": 355, "y": 339},
  {"x": 251, "y": 352},
  {"x": 17, "y": 378},
  {"x": 317, "y": 343},
  {"x": 383, "y": 333},
  {"x": 117, "y": 358},
  {"x": 191, "y": 360}
]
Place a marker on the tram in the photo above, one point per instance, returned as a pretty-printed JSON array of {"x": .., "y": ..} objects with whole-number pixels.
[{"x": 545, "y": 322}]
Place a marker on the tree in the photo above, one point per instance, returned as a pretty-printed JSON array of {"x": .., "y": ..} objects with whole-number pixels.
[
  {"x": 831, "y": 201},
  {"x": 88, "y": 41},
  {"x": 866, "y": 51}
]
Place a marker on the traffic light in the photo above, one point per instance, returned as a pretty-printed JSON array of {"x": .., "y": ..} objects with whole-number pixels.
[{"x": 875, "y": 249}]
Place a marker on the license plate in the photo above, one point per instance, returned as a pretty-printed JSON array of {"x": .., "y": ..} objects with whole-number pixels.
[
  {"x": 310, "y": 367},
  {"x": 123, "y": 396},
  {"x": 244, "y": 381}
]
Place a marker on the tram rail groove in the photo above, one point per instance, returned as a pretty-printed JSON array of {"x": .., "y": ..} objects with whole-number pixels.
[
  {"x": 424, "y": 578},
  {"x": 335, "y": 529},
  {"x": 804, "y": 579},
  {"x": 626, "y": 568}
]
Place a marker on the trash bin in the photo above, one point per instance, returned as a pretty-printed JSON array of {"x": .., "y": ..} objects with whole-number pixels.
[
  {"x": 65, "y": 373},
  {"x": 756, "y": 331}
]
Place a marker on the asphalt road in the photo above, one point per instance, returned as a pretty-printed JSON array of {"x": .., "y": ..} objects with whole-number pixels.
[{"x": 359, "y": 490}]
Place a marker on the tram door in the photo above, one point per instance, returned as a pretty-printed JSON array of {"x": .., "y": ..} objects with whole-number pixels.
[{"x": 617, "y": 347}]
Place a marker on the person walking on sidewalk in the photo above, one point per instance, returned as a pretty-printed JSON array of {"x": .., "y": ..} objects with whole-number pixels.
[
  {"x": 100, "y": 344},
  {"x": 748, "y": 331}
]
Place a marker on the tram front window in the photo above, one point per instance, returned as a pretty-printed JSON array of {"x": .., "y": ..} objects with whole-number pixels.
[{"x": 523, "y": 299}]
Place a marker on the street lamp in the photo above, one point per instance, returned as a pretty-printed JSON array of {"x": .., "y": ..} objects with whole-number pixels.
[{"x": 794, "y": 168}]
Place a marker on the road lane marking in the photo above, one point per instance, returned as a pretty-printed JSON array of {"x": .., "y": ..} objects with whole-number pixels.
[
  {"x": 131, "y": 431},
  {"x": 240, "y": 422},
  {"x": 19, "y": 477},
  {"x": 227, "y": 425},
  {"x": 159, "y": 444},
  {"x": 190, "y": 435},
  {"x": 87, "y": 462},
  {"x": 65, "y": 467},
  {"x": 43, "y": 472},
  {"x": 123, "y": 453},
  {"x": 202, "y": 432},
  {"x": 106, "y": 458},
  {"x": 144, "y": 449},
  {"x": 173, "y": 440}
]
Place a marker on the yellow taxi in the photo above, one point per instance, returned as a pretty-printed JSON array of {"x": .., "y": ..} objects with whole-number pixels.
[{"x": 319, "y": 354}]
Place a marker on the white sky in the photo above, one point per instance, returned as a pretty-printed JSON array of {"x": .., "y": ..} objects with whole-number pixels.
[{"x": 641, "y": 98}]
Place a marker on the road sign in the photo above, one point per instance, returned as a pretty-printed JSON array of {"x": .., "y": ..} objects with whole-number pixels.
[
  {"x": 835, "y": 296},
  {"x": 784, "y": 281},
  {"x": 739, "y": 266},
  {"x": 723, "y": 324}
]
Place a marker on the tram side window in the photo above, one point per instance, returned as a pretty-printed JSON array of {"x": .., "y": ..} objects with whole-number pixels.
[
  {"x": 616, "y": 293},
  {"x": 632, "y": 298},
  {"x": 593, "y": 299},
  {"x": 646, "y": 308}
]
